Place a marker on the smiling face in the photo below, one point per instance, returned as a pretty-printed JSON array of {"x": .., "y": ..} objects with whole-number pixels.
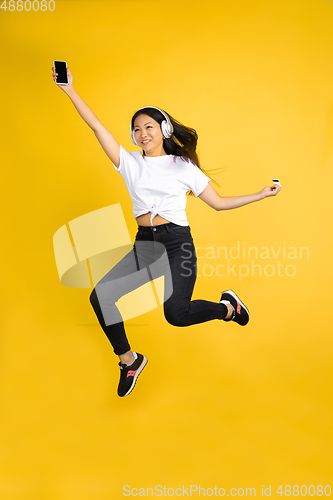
[{"x": 148, "y": 135}]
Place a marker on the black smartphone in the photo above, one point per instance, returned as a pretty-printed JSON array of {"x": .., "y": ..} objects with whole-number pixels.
[{"x": 61, "y": 69}]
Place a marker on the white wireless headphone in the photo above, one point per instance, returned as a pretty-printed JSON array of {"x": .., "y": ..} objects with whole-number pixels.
[{"x": 166, "y": 125}]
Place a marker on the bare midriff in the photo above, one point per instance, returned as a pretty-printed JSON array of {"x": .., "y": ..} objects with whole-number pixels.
[{"x": 144, "y": 220}]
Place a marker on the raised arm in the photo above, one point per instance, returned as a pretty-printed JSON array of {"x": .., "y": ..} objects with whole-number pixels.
[
  {"x": 214, "y": 200},
  {"x": 106, "y": 139}
]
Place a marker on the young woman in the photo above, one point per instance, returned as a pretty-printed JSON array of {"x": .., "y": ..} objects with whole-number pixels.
[{"x": 158, "y": 180}]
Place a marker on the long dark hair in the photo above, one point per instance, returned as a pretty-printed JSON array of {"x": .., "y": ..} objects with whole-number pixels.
[{"x": 183, "y": 141}]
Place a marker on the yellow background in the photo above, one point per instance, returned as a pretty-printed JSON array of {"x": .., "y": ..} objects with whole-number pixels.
[{"x": 217, "y": 404}]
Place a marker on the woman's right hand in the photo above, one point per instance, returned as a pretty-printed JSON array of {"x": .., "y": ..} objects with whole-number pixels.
[{"x": 65, "y": 88}]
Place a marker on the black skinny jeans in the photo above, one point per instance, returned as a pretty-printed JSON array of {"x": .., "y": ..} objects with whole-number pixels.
[{"x": 167, "y": 250}]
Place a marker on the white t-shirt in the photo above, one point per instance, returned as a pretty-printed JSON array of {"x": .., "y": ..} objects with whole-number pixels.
[{"x": 159, "y": 184}]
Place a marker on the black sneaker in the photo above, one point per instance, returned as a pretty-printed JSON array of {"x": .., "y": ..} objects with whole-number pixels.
[
  {"x": 129, "y": 374},
  {"x": 241, "y": 314}
]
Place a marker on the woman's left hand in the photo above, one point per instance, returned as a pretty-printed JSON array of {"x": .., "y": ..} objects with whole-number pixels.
[{"x": 271, "y": 190}]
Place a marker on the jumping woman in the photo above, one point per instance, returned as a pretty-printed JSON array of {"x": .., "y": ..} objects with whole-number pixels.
[{"x": 158, "y": 180}]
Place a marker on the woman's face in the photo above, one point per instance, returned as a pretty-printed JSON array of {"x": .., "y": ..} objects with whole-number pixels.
[{"x": 148, "y": 135}]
